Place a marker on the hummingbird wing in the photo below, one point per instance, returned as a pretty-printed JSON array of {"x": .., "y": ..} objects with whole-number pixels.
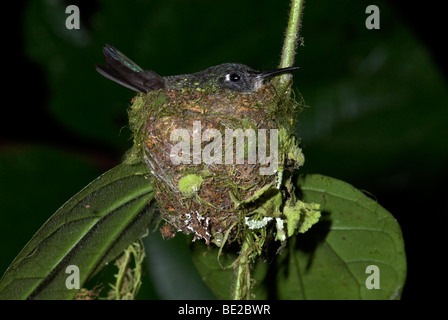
[{"x": 124, "y": 71}]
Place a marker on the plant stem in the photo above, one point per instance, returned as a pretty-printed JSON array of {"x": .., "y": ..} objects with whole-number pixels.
[
  {"x": 122, "y": 274},
  {"x": 242, "y": 284},
  {"x": 241, "y": 288},
  {"x": 290, "y": 43}
]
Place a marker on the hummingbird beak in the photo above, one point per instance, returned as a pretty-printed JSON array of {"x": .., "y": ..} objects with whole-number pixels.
[{"x": 266, "y": 74}]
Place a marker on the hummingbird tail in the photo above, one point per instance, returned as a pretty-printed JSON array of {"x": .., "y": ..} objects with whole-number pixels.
[{"x": 127, "y": 73}]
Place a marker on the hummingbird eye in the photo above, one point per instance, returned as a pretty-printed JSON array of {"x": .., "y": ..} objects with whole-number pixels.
[{"x": 234, "y": 77}]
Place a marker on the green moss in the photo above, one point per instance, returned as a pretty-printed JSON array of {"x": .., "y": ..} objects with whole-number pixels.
[
  {"x": 138, "y": 115},
  {"x": 189, "y": 185},
  {"x": 301, "y": 216},
  {"x": 290, "y": 149}
]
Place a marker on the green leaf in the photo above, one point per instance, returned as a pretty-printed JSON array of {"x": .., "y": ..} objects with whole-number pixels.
[
  {"x": 218, "y": 279},
  {"x": 171, "y": 269},
  {"x": 330, "y": 260},
  {"x": 88, "y": 231}
]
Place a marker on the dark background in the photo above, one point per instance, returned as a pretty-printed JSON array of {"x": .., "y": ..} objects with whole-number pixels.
[{"x": 377, "y": 116}]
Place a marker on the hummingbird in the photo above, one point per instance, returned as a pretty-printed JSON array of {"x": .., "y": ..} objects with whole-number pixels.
[{"x": 232, "y": 76}]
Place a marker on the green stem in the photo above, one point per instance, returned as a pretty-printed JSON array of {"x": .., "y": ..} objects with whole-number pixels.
[
  {"x": 242, "y": 284},
  {"x": 290, "y": 43},
  {"x": 121, "y": 274},
  {"x": 241, "y": 288}
]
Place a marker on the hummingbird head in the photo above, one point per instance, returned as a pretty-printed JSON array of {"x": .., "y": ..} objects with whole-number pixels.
[
  {"x": 241, "y": 78},
  {"x": 232, "y": 76}
]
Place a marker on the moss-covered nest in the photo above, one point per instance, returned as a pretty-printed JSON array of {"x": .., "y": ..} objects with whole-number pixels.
[{"x": 181, "y": 135}]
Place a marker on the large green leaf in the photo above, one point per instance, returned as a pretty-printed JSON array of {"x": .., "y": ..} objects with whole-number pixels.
[
  {"x": 88, "y": 231},
  {"x": 331, "y": 259},
  {"x": 217, "y": 277}
]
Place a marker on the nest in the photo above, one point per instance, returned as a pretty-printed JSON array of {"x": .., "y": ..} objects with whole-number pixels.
[{"x": 206, "y": 181}]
